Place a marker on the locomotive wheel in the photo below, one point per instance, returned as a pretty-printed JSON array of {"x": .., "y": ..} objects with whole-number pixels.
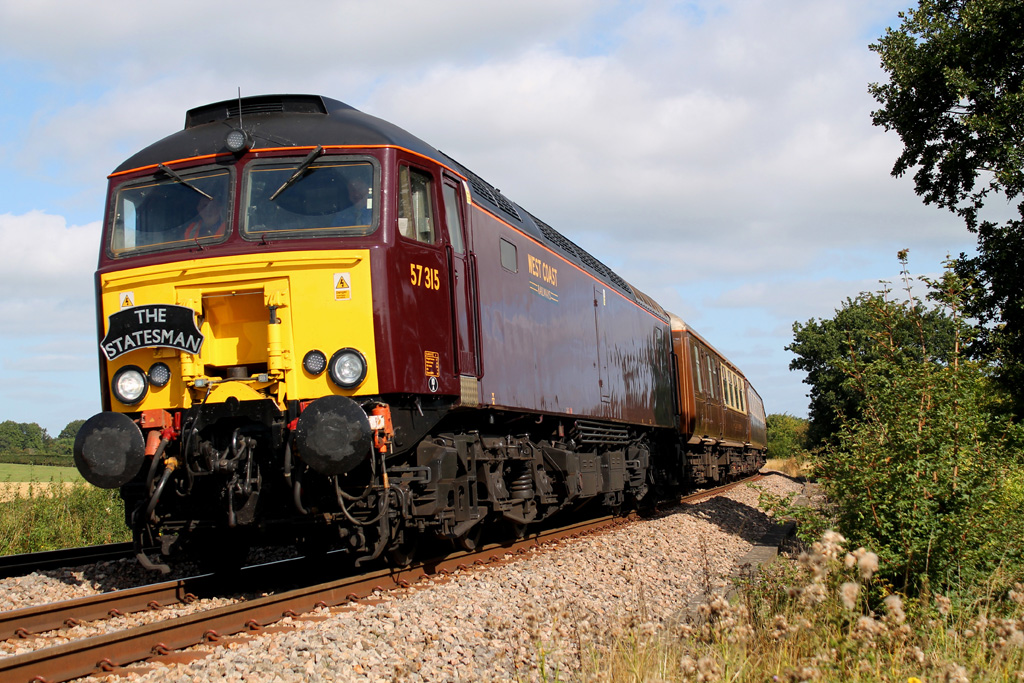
[
  {"x": 515, "y": 530},
  {"x": 470, "y": 540},
  {"x": 402, "y": 554}
]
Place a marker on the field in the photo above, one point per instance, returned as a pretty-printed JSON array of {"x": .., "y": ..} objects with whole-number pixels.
[
  {"x": 22, "y": 481},
  {"x": 33, "y": 518}
]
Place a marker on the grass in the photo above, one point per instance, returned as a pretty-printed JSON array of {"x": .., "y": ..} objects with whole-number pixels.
[
  {"x": 81, "y": 515},
  {"x": 824, "y": 618},
  {"x": 40, "y": 473}
]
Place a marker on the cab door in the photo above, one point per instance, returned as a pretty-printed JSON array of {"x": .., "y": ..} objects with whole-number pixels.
[{"x": 462, "y": 281}]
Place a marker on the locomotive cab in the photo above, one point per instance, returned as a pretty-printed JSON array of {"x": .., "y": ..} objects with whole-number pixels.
[{"x": 262, "y": 312}]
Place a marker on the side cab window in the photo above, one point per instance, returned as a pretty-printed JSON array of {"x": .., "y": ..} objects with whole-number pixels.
[
  {"x": 453, "y": 215},
  {"x": 416, "y": 219}
]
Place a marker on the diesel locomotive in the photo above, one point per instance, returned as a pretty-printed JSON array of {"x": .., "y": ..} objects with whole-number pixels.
[{"x": 316, "y": 328}]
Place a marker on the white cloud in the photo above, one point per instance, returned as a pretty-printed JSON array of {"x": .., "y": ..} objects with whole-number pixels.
[{"x": 46, "y": 285}]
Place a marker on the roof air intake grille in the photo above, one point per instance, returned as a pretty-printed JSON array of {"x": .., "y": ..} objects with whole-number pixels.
[{"x": 251, "y": 106}]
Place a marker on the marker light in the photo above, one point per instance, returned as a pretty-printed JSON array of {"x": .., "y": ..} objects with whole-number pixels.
[
  {"x": 314, "y": 362},
  {"x": 159, "y": 374},
  {"x": 237, "y": 140},
  {"x": 347, "y": 368},
  {"x": 129, "y": 385}
]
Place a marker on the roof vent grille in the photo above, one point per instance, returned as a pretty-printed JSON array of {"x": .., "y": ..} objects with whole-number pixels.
[{"x": 261, "y": 104}]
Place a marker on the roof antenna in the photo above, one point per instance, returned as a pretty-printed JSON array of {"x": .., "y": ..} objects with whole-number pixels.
[{"x": 237, "y": 140}]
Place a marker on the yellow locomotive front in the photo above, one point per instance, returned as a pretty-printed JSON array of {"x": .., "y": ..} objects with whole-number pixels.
[{"x": 235, "y": 299}]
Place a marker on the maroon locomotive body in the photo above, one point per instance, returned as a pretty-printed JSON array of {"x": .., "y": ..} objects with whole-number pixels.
[{"x": 371, "y": 347}]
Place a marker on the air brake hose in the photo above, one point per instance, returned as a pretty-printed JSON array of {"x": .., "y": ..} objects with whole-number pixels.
[{"x": 155, "y": 498}]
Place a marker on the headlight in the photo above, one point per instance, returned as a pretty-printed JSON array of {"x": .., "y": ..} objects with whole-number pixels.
[
  {"x": 237, "y": 140},
  {"x": 129, "y": 385},
  {"x": 314, "y": 362},
  {"x": 347, "y": 368},
  {"x": 159, "y": 374}
]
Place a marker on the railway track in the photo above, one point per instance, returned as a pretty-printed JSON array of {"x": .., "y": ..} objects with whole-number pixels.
[
  {"x": 111, "y": 651},
  {"x": 16, "y": 565}
]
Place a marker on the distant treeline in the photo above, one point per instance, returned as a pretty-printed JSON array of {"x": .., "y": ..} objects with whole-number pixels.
[{"x": 26, "y": 443}]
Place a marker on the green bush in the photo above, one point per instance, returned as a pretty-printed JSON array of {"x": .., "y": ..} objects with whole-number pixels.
[
  {"x": 80, "y": 515},
  {"x": 929, "y": 473},
  {"x": 787, "y": 436}
]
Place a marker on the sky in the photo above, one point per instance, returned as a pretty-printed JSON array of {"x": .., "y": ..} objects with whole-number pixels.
[{"x": 718, "y": 155}]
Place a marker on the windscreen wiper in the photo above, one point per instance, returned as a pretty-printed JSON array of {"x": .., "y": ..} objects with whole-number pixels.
[
  {"x": 174, "y": 174},
  {"x": 303, "y": 167}
]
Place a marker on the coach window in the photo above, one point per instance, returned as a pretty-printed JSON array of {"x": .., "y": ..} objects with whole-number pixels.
[
  {"x": 713, "y": 380},
  {"x": 695, "y": 362},
  {"x": 509, "y": 256},
  {"x": 415, "y": 212}
]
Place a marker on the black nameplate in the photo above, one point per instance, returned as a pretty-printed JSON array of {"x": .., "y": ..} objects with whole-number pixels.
[{"x": 154, "y": 325}]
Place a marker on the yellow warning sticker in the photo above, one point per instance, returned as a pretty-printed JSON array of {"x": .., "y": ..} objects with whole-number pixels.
[
  {"x": 127, "y": 299},
  {"x": 342, "y": 286},
  {"x": 432, "y": 363}
]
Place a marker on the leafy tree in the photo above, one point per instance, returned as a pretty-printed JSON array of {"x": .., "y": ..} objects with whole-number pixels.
[
  {"x": 22, "y": 437},
  {"x": 955, "y": 96},
  {"x": 787, "y": 436},
  {"x": 71, "y": 430},
  {"x": 928, "y": 473},
  {"x": 823, "y": 346}
]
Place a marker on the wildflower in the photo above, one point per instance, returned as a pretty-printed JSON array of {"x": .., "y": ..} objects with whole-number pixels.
[
  {"x": 868, "y": 564},
  {"x": 894, "y": 605},
  {"x": 1017, "y": 593},
  {"x": 944, "y": 605},
  {"x": 780, "y": 627},
  {"x": 708, "y": 669},
  {"x": 804, "y": 674},
  {"x": 815, "y": 562},
  {"x": 832, "y": 544},
  {"x": 866, "y": 629},
  {"x": 913, "y": 679},
  {"x": 741, "y": 634},
  {"x": 848, "y": 593},
  {"x": 647, "y": 629},
  {"x": 918, "y": 655},
  {"x": 813, "y": 594},
  {"x": 956, "y": 674}
]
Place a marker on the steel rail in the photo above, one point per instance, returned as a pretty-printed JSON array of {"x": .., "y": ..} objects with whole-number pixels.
[
  {"x": 25, "y": 563},
  {"x": 22, "y": 623},
  {"x": 107, "y": 652}
]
